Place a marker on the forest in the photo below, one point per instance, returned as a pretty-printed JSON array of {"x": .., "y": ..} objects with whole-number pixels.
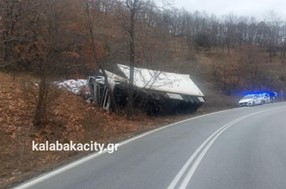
[
  {"x": 59, "y": 39},
  {"x": 76, "y": 36}
]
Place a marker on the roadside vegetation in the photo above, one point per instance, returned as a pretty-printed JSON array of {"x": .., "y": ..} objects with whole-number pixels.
[{"x": 45, "y": 41}]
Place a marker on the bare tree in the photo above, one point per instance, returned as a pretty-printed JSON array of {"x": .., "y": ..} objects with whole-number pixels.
[
  {"x": 15, "y": 17},
  {"x": 47, "y": 32},
  {"x": 273, "y": 22},
  {"x": 133, "y": 6},
  {"x": 51, "y": 41},
  {"x": 251, "y": 62}
]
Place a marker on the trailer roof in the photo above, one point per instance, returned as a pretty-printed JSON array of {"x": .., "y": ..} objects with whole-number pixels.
[{"x": 162, "y": 81}]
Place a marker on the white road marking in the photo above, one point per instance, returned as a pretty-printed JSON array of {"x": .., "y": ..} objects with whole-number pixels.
[
  {"x": 202, "y": 154},
  {"x": 190, "y": 160},
  {"x": 69, "y": 166},
  {"x": 202, "y": 150},
  {"x": 64, "y": 168}
]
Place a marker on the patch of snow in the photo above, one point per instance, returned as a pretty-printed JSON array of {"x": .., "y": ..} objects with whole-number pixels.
[{"x": 71, "y": 85}]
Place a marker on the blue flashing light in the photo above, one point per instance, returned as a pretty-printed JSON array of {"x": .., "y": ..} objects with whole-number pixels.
[{"x": 270, "y": 93}]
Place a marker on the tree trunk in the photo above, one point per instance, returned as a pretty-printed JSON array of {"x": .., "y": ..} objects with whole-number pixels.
[
  {"x": 132, "y": 60},
  {"x": 40, "y": 116}
]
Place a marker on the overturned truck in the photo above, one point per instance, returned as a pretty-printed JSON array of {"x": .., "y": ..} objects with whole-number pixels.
[{"x": 155, "y": 92}]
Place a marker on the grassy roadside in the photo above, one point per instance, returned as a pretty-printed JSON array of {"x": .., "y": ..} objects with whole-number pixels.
[{"x": 71, "y": 119}]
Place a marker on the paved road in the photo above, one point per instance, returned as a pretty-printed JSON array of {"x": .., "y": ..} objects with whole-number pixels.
[{"x": 243, "y": 148}]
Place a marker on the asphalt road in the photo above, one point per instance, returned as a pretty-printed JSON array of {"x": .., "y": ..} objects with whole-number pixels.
[{"x": 243, "y": 148}]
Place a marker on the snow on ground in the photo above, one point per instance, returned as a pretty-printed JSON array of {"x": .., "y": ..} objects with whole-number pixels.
[{"x": 72, "y": 85}]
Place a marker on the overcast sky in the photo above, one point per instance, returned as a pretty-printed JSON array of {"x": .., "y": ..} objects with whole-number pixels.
[{"x": 256, "y": 8}]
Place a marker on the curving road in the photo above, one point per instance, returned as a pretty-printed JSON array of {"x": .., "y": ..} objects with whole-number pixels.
[{"x": 243, "y": 148}]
